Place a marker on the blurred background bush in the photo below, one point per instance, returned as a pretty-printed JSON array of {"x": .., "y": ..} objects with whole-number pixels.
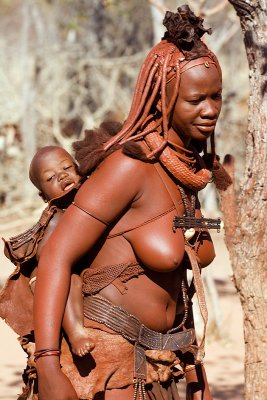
[{"x": 66, "y": 65}]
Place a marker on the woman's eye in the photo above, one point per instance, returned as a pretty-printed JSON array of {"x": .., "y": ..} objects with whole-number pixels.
[
  {"x": 218, "y": 96},
  {"x": 194, "y": 101},
  {"x": 67, "y": 166}
]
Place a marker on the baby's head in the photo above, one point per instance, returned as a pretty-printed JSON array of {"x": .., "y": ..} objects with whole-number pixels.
[{"x": 53, "y": 172}]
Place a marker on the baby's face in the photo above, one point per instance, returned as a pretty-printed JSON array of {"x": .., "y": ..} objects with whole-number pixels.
[{"x": 56, "y": 172}]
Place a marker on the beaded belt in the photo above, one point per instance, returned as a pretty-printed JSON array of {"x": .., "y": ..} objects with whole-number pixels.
[{"x": 119, "y": 320}]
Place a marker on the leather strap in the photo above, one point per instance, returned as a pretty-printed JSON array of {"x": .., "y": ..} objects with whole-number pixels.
[
  {"x": 200, "y": 297},
  {"x": 170, "y": 186}
]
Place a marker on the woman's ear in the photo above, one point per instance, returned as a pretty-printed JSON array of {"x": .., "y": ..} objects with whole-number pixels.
[
  {"x": 159, "y": 105},
  {"x": 42, "y": 196}
]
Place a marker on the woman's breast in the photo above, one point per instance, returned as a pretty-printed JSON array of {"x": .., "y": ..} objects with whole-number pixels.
[{"x": 157, "y": 246}]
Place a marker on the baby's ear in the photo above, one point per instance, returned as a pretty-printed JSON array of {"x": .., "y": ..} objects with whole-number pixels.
[{"x": 42, "y": 196}]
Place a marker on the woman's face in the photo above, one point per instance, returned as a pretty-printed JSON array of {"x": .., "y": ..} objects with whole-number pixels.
[{"x": 198, "y": 104}]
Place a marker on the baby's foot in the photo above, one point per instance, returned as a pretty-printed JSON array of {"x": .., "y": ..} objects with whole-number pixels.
[{"x": 80, "y": 343}]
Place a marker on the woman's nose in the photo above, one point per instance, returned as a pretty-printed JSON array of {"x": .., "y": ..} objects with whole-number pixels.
[{"x": 210, "y": 109}]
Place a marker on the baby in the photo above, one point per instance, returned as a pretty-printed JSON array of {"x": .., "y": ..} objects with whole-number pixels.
[{"x": 54, "y": 173}]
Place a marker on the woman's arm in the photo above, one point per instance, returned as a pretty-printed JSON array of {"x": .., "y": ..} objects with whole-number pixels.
[
  {"x": 106, "y": 194},
  {"x": 204, "y": 246},
  {"x": 197, "y": 387},
  {"x": 48, "y": 232}
]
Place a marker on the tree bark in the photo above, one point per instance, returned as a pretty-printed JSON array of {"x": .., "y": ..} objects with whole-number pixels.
[{"x": 245, "y": 215}]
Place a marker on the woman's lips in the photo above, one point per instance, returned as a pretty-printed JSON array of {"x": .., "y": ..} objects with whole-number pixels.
[{"x": 205, "y": 128}]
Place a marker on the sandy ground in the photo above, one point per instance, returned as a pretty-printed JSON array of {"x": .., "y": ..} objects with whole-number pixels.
[{"x": 224, "y": 354}]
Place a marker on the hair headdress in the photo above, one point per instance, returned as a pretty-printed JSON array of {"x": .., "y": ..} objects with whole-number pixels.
[{"x": 179, "y": 50}]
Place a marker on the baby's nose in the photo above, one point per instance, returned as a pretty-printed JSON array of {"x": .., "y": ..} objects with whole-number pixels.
[{"x": 62, "y": 175}]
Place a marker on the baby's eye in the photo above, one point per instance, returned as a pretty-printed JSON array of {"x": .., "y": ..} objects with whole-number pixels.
[
  {"x": 50, "y": 178},
  {"x": 67, "y": 166}
]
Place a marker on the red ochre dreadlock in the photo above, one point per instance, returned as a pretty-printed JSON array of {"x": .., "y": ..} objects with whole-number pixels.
[{"x": 149, "y": 116}]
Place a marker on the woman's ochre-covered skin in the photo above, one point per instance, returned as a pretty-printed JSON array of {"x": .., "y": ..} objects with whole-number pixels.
[{"x": 125, "y": 192}]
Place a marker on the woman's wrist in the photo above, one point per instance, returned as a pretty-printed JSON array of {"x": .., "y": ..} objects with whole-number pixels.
[
  {"x": 46, "y": 353},
  {"x": 44, "y": 364}
]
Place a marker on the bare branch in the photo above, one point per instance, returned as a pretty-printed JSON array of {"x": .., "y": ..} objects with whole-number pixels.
[{"x": 243, "y": 8}]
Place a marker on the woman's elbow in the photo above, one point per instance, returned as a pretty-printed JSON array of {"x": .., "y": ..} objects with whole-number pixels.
[{"x": 206, "y": 256}]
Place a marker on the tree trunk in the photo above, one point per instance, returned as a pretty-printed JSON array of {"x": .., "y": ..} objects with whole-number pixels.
[{"x": 245, "y": 216}]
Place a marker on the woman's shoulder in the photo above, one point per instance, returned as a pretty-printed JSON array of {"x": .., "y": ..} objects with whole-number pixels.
[
  {"x": 118, "y": 160},
  {"x": 118, "y": 178}
]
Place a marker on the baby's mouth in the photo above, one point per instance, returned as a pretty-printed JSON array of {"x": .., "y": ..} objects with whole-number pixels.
[{"x": 67, "y": 186}]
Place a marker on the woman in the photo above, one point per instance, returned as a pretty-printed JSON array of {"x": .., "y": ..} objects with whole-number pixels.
[{"x": 137, "y": 226}]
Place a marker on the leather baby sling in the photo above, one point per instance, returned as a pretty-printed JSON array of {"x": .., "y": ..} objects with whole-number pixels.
[{"x": 23, "y": 247}]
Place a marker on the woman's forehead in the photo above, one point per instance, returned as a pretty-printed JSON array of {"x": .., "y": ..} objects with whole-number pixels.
[{"x": 201, "y": 76}]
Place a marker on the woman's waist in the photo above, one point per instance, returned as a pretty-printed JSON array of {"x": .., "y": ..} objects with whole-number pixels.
[
  {"x": 108, "y": 317},
  {"x": 156, "y": 308},
  {"x": 130, "y": 273}
]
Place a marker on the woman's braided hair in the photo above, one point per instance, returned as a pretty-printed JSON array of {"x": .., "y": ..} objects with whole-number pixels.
[{"x": 150, "y": 115}]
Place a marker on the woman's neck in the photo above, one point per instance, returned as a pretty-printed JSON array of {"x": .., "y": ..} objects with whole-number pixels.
[{"x": 181, "y": 145}]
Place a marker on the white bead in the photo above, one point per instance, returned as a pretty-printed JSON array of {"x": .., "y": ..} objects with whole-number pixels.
[{"x": 189, "y": 233}]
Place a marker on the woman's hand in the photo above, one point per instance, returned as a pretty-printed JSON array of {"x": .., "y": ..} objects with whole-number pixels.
[
  {"x": 52, "y": 383},
  {"x": 197, "y": 385}
]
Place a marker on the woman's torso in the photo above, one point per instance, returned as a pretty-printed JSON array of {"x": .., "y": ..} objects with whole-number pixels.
[{"x": 151, "y": 241}]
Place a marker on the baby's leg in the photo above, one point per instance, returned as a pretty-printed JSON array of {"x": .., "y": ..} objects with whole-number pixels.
[{"x": 73, "y": 319}]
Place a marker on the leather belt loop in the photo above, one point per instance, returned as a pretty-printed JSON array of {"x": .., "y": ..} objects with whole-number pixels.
[{"x": 139, "y": 362}]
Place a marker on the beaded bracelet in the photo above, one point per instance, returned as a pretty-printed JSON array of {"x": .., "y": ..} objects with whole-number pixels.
[{"x": 46, "y": 353}]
